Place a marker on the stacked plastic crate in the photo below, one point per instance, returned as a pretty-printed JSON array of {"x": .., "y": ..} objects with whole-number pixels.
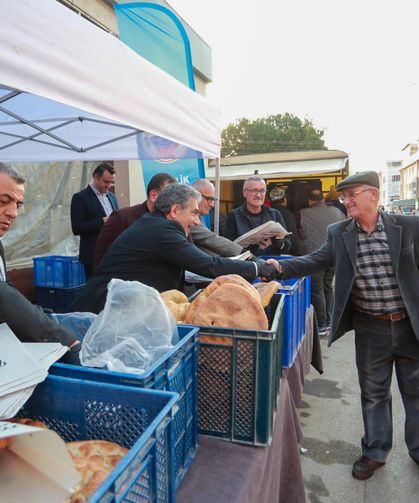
[
  {"x": 57, "y": 280},
  {"x": 176, "y": 371},
  {"x": 140, "y": 420}
]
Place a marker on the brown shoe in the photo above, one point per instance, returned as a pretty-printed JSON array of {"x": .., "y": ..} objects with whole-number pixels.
[{"x": 364, "y": 468}]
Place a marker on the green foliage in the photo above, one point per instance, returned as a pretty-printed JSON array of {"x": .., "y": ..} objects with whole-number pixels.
[{"x": 274, "y": 133}]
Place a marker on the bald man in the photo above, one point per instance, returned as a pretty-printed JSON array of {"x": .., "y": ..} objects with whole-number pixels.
[{"x": 202, "y": 237}]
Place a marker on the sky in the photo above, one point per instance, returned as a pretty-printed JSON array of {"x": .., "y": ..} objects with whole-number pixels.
[{"x": 351, "y": 67}]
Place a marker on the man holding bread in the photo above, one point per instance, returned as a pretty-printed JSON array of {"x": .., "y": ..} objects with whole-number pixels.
[{"x": 155, "y": 251}]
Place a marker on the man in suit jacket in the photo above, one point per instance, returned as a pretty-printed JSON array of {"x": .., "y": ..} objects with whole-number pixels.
[
  {"x": 90, "y": 209},
  {"x": 203, "y": 238},
  {"x": 27, "y": 322},
  {"x": 119, "y": 220},
  {"x": 155, "y": 251},
  {"x": 376, "y": 259}
]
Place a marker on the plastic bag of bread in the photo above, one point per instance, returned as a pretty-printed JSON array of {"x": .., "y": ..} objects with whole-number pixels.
[{"x": 132, "y": 332}]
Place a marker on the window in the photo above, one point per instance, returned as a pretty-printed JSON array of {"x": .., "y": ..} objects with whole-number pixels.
[{"x": 395, "y": 178}]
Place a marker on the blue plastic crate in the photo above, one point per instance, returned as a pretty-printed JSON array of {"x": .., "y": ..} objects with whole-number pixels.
[
  {"x": 297, "y": 303},
  {"x": 239, "y": 378},
  {"x": 140, "y": 420},
  {"x": 176, "y": 371},
  {"x": 58, "y": 271},
  {"x": 57, "y": 299}
]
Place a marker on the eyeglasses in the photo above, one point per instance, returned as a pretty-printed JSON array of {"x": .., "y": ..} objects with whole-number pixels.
[
  {"x": 351, "y": 195},
  {"x": 256, "y": 191},
  {"x": 209, "y": 198}
]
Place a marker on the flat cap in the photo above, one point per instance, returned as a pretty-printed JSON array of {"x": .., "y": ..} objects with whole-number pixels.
[{"x": 363, "y": 178}]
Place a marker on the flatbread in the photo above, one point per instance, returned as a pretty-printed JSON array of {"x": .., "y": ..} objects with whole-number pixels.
[
  {"x": 231, "y": 306},
  {"x": 175, "y": 296},
  {"x": 213, "y": 286},
  {"x": 94, "y": 460},
  {"x": 267, "y": 291}
]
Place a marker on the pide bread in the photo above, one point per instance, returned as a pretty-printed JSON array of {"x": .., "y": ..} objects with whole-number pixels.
[
  {"x": 176, "y": 302},
  {"x": 175, "y": 296},
  {"x": 234, "y": 279},
  {"x": 94, "y": 460},
  {"x": 266, "y": 291},
  {"x": 231, "y": 306}
]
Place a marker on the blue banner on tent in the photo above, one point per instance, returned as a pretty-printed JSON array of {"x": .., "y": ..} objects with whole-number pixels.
[{"x": 155, "y": 32}]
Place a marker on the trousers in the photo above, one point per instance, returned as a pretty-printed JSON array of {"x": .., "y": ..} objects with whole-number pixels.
[
  {"x": 321, "y": 295},
  {"x": 380, "y": 346}
]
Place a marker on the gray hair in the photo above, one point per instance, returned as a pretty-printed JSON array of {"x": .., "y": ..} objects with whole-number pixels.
[
  {"x": 5, "y": 167},
  {"x": 253, "y": 178},
  {"x": 175, "y": 193},
  {"x": 201, "y": 184}
]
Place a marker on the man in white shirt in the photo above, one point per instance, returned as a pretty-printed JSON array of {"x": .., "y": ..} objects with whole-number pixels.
[{"x": 90, "y": 209}]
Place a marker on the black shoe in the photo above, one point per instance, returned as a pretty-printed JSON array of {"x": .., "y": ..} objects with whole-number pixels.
[{"x": 364, "y": 468}]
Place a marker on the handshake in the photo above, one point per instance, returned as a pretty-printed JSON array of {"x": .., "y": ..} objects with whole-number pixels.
[{"x": 268, "y": 269}]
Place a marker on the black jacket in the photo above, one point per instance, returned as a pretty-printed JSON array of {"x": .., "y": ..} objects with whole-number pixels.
[
  {"x": 238, "y": 223},
  {"x": 154, "y": 251},
  {"x": 87, "y": 219}
]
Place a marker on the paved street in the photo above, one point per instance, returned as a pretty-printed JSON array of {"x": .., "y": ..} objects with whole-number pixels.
[{"x": 330, "y": 417}]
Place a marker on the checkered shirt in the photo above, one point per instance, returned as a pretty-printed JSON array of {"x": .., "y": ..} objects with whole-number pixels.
[{"x": 375, "y": 290}]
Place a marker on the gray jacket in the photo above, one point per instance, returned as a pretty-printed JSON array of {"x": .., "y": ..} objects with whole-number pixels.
[
  {"x": 210, "y": 243},
  {"x": 313, "y": 223},
  {"x": 339, "y": 251}
]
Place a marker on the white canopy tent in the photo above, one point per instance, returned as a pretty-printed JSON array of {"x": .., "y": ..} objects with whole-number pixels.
[{"x": 70, "y": 91}]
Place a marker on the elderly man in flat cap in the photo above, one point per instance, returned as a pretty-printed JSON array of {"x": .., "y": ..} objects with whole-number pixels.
[{"x": 376, "y": 257}]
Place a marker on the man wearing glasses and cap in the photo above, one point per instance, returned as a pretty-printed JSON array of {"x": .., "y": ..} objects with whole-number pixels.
[
  {"x": 202, "y": 237},
  {"x": 254, "y": 213},
  {"x": 376, "y": 258}
]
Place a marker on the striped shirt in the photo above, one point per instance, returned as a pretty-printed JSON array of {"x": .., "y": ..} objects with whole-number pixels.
[{"x": 375, "y": 290}]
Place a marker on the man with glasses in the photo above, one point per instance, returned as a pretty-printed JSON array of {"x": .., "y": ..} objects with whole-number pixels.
[
  {"x": 254, "y": 213},
  {"x": 376, "y": 258},
  {"x": 202, "y": 237}
]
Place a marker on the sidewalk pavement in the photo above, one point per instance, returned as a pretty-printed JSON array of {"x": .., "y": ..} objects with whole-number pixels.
[{"x": 331, "y": 421}]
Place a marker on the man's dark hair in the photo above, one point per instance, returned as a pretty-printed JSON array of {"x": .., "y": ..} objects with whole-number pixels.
[
  {"x": 158, "y": 181},
  {"x": 102, "y": 167},
  {"x": 315, "y": 195},
  {"x": 5, "y": 167},
  {"x": 176, "y": 193}
]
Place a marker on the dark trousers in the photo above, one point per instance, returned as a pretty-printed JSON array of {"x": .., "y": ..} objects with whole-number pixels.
[
  {"x": 379, "y": 345},
  {"x": 321, "y": 295}
]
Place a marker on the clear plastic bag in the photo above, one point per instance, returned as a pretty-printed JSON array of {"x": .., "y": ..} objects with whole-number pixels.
[{"x": 132, "y": 332}]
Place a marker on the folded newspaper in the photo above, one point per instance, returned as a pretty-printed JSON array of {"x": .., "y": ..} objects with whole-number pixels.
[{"x": 269, "y": 229}]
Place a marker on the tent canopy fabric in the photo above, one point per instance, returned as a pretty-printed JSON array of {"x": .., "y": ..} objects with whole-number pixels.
[{"x": 71, "y": 91}]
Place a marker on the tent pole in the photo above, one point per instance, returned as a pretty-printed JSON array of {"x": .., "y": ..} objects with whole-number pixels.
[{"x": 217, "y": 195}]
